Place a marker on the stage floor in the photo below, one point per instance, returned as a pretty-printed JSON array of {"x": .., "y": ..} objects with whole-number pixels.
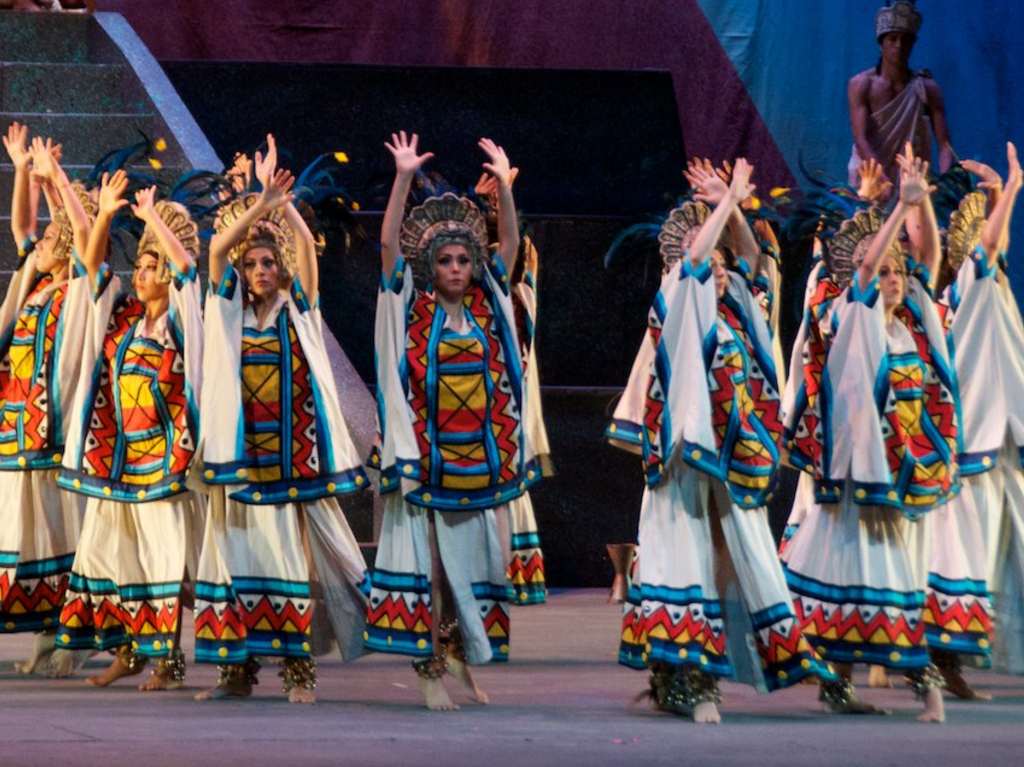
[{"x": 561, "y": 700}]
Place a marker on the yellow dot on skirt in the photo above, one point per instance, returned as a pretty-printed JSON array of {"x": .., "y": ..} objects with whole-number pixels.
[
  {"x": 503, "y": 649},
  {"x": 157, "y": 645},
  {"x": 427, "y": 497},
  {"x": 65, "y": 638},
  {"x": 57, "y": 457},
  {"x": 366, "y": 635},
  {"x": 945, "y": 638},
  {"x": 805, "y": 664},
  {"x": 331, "y": 487},
  {"x": 77, "y": 483},
  {"x": 141, "y": 495},
  {"x": 209, "y": 474},
  {"x": 257, "y": 496},
  {"x": 10, "y": 626},
  {"x": 983, "y": 643},
  {"x": 861, "y": 493},
  {"x": 305, "y": 647},
  {"x": 783, "y": 675},
  {"x": 894, "y": 656},
  {"x": 107, "y": 491},
  {"x": 276, "y": 644},
  {"x": 683, "y": 653},
  {"x": 360, "y": 481},
  {"x": 292, "y": 492},
  {"x": 22, "y": 461},
  {"x": 222, "y": 652},
  {"x": 175, "y": 486},
  {"x": 421, "y": 643}
]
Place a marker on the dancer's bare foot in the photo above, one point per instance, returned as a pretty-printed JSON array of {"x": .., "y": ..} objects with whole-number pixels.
[
  {"x": 878, "y": 677},
  {"x": 436, "y": 696},
  {"x": 706, "y": 713},
  {"x": 160, "y": 681},
  {"x": 301, "y": 695},
  {"x": 840, "y": 697},
  {"x": 460, "y": 671},
  {"x": 934, "y": 708},
  {"x": 42, "y": 650},
  {"x": 956, "y": 685},
  {"x": 223, "y": 691},
  {"x": 117, "y": 669}
]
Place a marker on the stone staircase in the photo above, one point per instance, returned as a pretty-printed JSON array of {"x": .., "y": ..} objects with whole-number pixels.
[{"x": 88, "y": 82}]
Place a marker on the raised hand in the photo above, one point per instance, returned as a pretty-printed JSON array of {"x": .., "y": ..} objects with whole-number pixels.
[
  {"x": 740, "y": 188},
  {"x": 44, "y": 164},
  {"x": 708, "y": 184},
  {"x": 914, "y": 186},
  {"x": 403, "y": 148},
  {"x": 145, "y": 204},
  {"x": 16, "y": 144},
  {"x": 874, "y": 186},
  {"x": 240, "y": 173},
  {"x": 266, "y": 165},
  {"x": 990, "y": 179},
  {"x": 277, "y": 188},
  {"x": 1013, "y": 173},
  {"x": 112, "y": 189},
  {"x": 499, "y": 166},
  {"x": 487, "y": 186}
]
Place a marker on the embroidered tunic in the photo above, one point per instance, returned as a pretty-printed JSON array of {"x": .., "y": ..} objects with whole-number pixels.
[
  {"x": 451, "y": 405},
  {"x": 137, "y": 417}
]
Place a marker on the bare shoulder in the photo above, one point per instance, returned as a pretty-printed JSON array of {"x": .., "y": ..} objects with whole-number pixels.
[{"x": 860, "y": 83}]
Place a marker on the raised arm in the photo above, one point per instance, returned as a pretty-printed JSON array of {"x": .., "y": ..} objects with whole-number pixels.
[
  {"x": 305, "y": 252},
  {"x": 913, "y": 189},
  {"x": 276, "y": 192},
  {"x": 711, "y": 187},
  {"x": 22, "y": 220},
  {"x": 407, "y": 162},
  {"x": 45, "y": 165},
  {"x": 739, "y": 189},
  {"x": 995, "y": 235},
  {"x": 508, "y": 224},
  {"x": 112, "y": 189},
  {"x": 145, "y": 210},
  {"x": 922, "y": 228}
]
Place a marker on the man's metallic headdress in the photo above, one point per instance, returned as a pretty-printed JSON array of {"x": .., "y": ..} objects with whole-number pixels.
[
  {"x": 899, "y": 16},
  {"x": 184, "y": 229},
  {"x": 440, "y": 221},
  {"x": 271, "y": 231}
]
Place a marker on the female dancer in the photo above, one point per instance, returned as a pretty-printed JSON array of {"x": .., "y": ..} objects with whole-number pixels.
[
  {"x": 708, "y": 427},
  {"x": 886, "y": 418},
  {"x": 982, "y": 529},
  {"x": 132, "y": 441},
  {"x": 42, "y": 323},
  {"x": 276, "y": 455},
  {"x": 451, "y": 408},
  {"x": 526, "y": 567}
]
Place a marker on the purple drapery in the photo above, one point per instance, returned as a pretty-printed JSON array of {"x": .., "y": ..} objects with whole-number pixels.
[{"x": 717, "y": 117}]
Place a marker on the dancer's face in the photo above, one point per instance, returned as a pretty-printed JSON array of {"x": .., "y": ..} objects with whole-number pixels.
[
  {"x": 892, "y": 278},
  {"x": 262, "y": 271},
  {"x": 896, "y": 47},
  {"x": 144, "y": 281},
  {"x": 453, "y": 270},
  {"x": 720, "y": 273},
  {"x": 46, "y": 261}
]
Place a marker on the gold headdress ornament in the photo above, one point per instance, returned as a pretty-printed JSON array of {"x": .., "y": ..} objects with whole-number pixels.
[
  {"x": 439, "y": 221},
  {"x": 900, "y": 16},
  {"x": 680, "y": 230},
  {"x": 65, "y": 241},
  {"x": 271, "y": 231},
  {"x": 845, "y": 251},
  {"x": 184, "y": 229},
  {"x": 964, "y": 232}
]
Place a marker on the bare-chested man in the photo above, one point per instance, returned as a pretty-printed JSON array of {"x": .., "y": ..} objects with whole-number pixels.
[{"x": 890, "y": 104}]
